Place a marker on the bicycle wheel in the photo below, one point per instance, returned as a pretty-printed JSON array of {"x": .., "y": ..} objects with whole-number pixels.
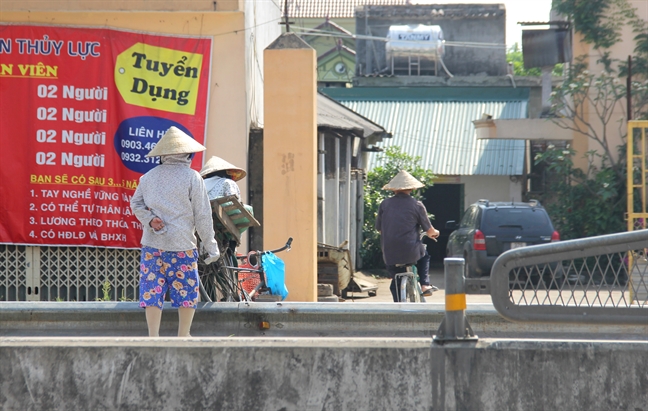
[
  {"x": 404, "y": 292},
  {"x": 414, "y": 290},
  {"x": 217, "y": 282},
  {"x": 417, "y": 294},
  {"x": 208, "y": 285},
  {"x": 226, "y": 278}
]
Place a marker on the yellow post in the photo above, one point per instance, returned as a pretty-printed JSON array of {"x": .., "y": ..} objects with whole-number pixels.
[
  {"x": 637, "y": 185},
  {"x": 637, "y": 174},
  {"x": 290, "y": 160}
]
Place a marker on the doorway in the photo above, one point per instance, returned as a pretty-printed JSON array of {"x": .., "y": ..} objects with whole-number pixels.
[{"x": 445, "y": 202}]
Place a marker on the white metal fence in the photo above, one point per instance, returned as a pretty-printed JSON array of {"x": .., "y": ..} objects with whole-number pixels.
[
  {"x": 600, "y": 279},
  {"x": 68, "y": 273}
]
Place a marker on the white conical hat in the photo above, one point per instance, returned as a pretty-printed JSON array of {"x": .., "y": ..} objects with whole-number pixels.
[
  {"x": 175, "y": 141},
  {"x": 403, "y": 181},
  {"x": 218, "y": 164}
]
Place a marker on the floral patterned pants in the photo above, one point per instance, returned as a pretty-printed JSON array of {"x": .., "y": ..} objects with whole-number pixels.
[{"x": 176, "y": 271}]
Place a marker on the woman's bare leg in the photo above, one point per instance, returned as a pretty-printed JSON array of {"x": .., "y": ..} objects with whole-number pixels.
[
  {"x": 153, "y": 319},
  {"x": 185, "y": 318}
]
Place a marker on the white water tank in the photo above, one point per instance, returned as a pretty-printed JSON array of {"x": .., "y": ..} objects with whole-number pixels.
[{"x": 414, "y": 41}]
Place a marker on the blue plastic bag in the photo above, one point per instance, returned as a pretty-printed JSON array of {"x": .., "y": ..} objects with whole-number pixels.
[{"x": 275, "y": 271}]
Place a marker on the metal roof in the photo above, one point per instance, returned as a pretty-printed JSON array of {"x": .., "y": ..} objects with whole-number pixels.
[
  {"x": 443, "y": 135},
  {"x": 335, "y": 116},
  {"x": 333, "y": 9}
]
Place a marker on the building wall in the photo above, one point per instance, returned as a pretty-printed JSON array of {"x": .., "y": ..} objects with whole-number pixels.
[
  {"x": 256, "y": 13},
  {"x": 493, "y": 188},
  {"x": 236, "y": 89},
  {"x": 235, "y": 102},
  {"x": 485, "y": 23},
  {"x": 620, "y": 51},
  {"x": 227, "y": 128},
  {"x": 121, "y": 5}
]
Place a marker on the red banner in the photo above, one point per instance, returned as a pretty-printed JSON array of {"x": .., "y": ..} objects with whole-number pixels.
[{"x": 80, "y": 109}]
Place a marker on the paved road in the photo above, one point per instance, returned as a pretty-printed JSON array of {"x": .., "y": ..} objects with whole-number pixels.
[{"x": 383, "y": 294}]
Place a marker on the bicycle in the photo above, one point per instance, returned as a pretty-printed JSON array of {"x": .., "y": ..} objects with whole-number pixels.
[
  {"x": 255, "y": 279},
  {"x": 222, "y": 280},
  {"x": 218, "y": 281},
  {"x": 410, "y": 288},
  {"x": 250, "y": 277}
]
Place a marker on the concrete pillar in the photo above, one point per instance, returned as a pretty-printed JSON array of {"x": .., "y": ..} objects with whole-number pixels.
[{"x": 290, "y": 160}]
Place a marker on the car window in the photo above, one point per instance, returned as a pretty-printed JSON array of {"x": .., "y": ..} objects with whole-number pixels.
[
  {"x": 468, "y": 219},
  {"x": 521, "y": 218}
]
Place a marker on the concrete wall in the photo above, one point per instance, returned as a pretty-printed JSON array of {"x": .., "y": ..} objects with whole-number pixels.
[
  {"x": 286, "y": 319},
  {"x": 493, "y": 188},
  {"x": 484, "y": 23},
  {"x": 335, "y": 356},
  {"x": 320, "y": 374}
]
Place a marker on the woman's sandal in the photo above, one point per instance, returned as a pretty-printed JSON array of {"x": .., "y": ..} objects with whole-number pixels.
[{"x": 428, "y": 292}]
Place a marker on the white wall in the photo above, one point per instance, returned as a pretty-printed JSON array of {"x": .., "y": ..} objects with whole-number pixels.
[
  {"x": 262, "y": 28},
  {"x": 493, "y": 188}
]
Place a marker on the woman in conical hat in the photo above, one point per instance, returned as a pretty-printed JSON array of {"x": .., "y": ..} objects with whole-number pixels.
[
  {"x": 399, "y": 221},
  {"x": 220, "y": 178},
  {"x": 171, "y": 203},
  {"x": 403, "y": 181}
]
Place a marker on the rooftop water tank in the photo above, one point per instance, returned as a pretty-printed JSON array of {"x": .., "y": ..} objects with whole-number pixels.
[{"x": 414, "y": 44}]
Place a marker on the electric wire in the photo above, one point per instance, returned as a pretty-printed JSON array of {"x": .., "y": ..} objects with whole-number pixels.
[{"x": 467, "y": 44}]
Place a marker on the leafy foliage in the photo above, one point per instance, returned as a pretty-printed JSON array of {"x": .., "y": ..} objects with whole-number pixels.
[
  {"x": 605, "y": 95},
  {"x": 394, "y": 161},
  {"x": 591, "y": 18},
  {"x": 583, "y": 203},
  {"x": 592, "y": 201},
  {"x": 600, "y": 23}
]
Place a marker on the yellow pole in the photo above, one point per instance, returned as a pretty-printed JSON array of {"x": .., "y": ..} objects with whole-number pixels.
[
  {"x": 290, "y": 160},
  {"x": 636, "y": 157}
]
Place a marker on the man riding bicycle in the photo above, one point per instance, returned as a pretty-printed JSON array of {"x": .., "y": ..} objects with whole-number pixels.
[{"x": 400, "y": 219}]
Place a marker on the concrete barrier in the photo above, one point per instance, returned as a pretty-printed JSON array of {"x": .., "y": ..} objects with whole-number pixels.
[
  {"x": 313, "y": 356},
  {"x": 303, "y": 374},
  {"x": 285, "y": 320}
]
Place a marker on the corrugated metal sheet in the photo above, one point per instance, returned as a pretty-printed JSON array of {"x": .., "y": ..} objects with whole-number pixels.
[
  {"x": 442, "y": 134},
  {"x": 332, "y": 9},
  {"x": 332, "y": 114}
]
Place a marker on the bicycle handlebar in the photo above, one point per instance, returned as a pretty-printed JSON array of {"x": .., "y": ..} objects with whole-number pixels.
[
  {"x": 259, "y": 253},
  {"x": 285, "y": 247}
]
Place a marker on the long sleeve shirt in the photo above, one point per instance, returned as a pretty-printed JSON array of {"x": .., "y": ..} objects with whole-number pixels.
[
  {"x": 222, "y": 187},
  {"x": 399, "y": 220},
  {"x": 177, "y": 195}
]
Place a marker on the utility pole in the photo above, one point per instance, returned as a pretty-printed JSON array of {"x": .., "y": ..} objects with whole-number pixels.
[
  {"x": 286, "y": 21},
  {"x": 629, "y": 88}
]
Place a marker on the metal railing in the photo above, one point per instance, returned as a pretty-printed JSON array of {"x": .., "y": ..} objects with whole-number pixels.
[
  {"x": 68, "y": 273},
  {"x": 599, "y": 280}
]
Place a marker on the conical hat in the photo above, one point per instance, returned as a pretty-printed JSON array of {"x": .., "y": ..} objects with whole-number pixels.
[
  {"x": 218, "y": 164},
  {"x": 403, "y": 181},
  {"x": 175, "y": 141}
]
